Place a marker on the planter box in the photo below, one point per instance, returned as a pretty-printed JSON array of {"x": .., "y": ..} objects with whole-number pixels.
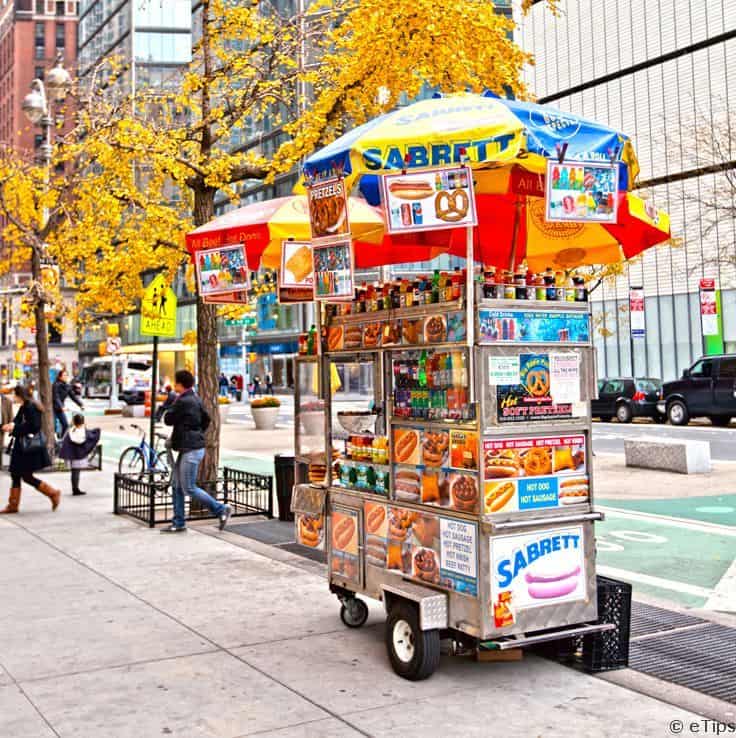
[{"x": 265, "y": 417}]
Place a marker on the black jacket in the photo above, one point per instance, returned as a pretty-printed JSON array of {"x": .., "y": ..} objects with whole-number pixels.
[
  {"x": 190, "y": 421},
  {"x": 60, "y": 392},
  {"x": 167, "y": 403},
  {"x": 27, "y": 422}
]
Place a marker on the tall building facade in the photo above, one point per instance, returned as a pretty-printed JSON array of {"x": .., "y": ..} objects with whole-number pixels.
[
  {"x": 33, "y": 33},
  {"x": 152, "y": 39},
  {"x": 664, "y": 72}
]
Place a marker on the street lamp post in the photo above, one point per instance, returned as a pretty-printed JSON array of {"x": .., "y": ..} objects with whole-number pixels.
[{"x": 37, "y": 107}]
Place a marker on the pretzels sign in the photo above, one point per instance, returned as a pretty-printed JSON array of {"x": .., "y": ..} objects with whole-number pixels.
[
  {"x": 451, "y": 206},
  {"x": 537, "y": 382}
]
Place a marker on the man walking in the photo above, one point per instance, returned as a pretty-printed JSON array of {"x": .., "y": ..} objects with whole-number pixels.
[{"x": 189, "y": 420}]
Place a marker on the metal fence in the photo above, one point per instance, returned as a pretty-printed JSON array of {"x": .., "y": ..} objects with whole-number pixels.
[{"x": 149, "y": 497}]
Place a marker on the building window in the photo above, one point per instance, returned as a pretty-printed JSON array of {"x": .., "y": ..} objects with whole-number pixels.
[
  {"x": 40, "y": 40},
  {"x": 60, "y": 7},
  {"x": 38, "y": 140},
  {"x": 39, "y": 72},
  {"x": 60, "y": 35},
  {"x": 40, "y": 7}
]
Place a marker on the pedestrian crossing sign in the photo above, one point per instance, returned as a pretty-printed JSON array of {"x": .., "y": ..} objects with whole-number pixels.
[{"x": 158, "y": 309}]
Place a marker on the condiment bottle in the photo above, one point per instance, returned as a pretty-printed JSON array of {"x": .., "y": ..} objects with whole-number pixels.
[
  {"x": 531, "y": 291},
  {"x": 456, "y": 284},
  {"x": 560, "y": 286},
  {"x": 520, "y": 283},
  {"x": 581, "y": 293},
  {"x": 570, "y": 290},
  {"x": 540, "y": 290},
  {"x": 509, "y": 290},
  {"x": 549, "y": 281}
]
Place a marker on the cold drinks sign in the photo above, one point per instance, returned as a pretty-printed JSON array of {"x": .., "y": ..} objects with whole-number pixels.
[
  {"x": 429, "y": 200},
  {"x": 581, "y": 192}
]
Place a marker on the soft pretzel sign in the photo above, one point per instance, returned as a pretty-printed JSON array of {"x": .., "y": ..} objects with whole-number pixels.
[
  {"x": 429, "y": 200},
  {"x": 328, "y": 209}
]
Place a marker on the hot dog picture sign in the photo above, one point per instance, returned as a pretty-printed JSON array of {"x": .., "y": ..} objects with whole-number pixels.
[
  {"x": 429, "y": 200},
  {"x": 536, "y": 569}
]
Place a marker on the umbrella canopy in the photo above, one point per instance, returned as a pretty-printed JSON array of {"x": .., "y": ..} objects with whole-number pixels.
[{"x": 507, "y": 143}]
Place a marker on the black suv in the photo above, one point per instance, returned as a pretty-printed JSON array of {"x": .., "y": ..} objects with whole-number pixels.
[
  {"x": 707, "y": 389},
  {"x": 626, "y": 398}
]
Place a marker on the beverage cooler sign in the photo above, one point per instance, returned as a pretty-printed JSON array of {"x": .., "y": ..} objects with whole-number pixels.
[
  {"x": 521, "y": 326},
  {"x": 429, "y": 200},
  {"x": 536, "y": 569},
  {"x": 428, "y": 548},
  {"x": 333, "y": 270},
  {"x": 534, "y": 473},
  {"x": 530, "y": 399},
  {"x": 581, "y": 193},
  {"x": 222, "y": 270}
]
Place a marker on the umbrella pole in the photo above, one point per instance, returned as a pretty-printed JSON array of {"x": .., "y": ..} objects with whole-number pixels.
[
  {"x": 470, "y": 305},
  {"x": 515, "y": 234}
]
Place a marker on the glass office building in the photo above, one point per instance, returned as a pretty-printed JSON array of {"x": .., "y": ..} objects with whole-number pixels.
[
  {"x": 155, "y": 34},
  {"x": 664, "y": 72}
]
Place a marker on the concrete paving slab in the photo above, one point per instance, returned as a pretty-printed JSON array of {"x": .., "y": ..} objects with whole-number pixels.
[
  {"x": 207, "y": 696},
  {"x": 547, "y": 703},
  {"x": 330, "y": 728},
  {"x": 18, "y": 718},
  {"x": 5, "y": 678},
  {"x": 61, "y": 645}
]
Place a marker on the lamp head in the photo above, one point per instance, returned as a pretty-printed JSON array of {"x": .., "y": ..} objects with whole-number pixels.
[{"x": 34, "y": 103}]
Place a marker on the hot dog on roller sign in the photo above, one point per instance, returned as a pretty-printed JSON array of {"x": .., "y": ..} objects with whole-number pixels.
[{"x": 542, "y": 568}]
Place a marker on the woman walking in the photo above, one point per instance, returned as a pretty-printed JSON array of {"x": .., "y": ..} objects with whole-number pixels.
[
  {"x": 29, "y": 451},
  {"x": 76, "y": 446}
]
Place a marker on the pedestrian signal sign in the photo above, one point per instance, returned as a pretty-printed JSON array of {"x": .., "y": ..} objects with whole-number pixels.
[{"x": 158, "y": 309}]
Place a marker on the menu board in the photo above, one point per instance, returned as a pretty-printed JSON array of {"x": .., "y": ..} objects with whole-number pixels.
[
  {"x": 546, "y": 567},
  {"x": 296, "y": 280},
  {"x": 222, "y": 269},
  {"x": 437, "y": 467},
  {"x": 538, "y": 326},
  {"x": 429, "y": 200},
  {"x": 530, "y": 399},
  {"x": 328, "y": 209},
  {"x": 534, "y": 473},
  {"x": 580, "y": 192},
  {"x": 422, "y": 546},
  {"x": 333, "y": 270}
]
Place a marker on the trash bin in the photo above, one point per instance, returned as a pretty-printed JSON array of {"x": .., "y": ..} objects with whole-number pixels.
[{"x": 284, "y": 466}]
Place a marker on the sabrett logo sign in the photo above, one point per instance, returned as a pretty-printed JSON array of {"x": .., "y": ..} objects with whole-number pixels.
[
  {"x": 508, "y": 569},
  {"x": 439, "y": 154}
]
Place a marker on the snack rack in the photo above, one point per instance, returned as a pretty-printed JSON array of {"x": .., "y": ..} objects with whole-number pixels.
[{"x": 474, "y": 518}]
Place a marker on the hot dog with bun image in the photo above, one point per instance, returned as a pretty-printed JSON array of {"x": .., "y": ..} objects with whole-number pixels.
[
  {"x": 406, "y": 189},
  {"x": 502, "y": 464},
  {"x": 344, "y": 532},
  {"x": 406, "y": 446}
]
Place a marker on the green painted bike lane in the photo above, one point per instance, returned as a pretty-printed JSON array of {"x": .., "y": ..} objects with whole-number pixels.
[{"x": 669, "y": 549}]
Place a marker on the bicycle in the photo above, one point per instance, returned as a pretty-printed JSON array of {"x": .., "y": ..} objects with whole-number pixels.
[{"x": 142, "y": 459}]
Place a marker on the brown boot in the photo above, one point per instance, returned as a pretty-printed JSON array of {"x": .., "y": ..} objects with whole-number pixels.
[
  {"x": 53, "y": 494},
  {"x": 13, "y": 502}
]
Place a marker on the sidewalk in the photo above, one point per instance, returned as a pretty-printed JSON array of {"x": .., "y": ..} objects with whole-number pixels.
[{"x": 111, "y": 630}]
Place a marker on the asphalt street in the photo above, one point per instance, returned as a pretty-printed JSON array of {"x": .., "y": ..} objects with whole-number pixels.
[{"x": 609, "y": 437}]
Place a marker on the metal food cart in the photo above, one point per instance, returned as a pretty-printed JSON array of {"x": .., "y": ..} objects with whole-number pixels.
[{"x": 457, "y": 481}]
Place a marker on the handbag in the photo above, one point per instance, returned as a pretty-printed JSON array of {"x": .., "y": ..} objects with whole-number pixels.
[{"x": 33, "y": 442}]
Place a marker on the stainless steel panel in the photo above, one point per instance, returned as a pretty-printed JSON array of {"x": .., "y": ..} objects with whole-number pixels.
[
  {"x": 309, "y": 499},
  {"x": 433, "y": 606}
]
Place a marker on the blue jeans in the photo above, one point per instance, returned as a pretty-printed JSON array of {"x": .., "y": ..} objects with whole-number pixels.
[
  {"x": 60, "y": 417},
  {"x": 185, "y": 483}
]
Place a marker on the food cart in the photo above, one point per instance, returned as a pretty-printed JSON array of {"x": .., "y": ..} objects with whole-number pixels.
[
  {"x": 443, "y": 433},
  {"x": 461, "y": 493}
]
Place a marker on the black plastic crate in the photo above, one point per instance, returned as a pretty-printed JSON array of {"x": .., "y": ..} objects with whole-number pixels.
[{"x": 610, "y": 649}]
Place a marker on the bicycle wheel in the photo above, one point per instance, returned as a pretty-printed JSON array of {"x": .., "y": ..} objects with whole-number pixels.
[{"x": 132, "y": 461}]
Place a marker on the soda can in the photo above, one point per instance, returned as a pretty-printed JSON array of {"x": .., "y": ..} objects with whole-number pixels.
[
  {"x": 417, "y": 213},
  {"x": 405, "y": 214}
]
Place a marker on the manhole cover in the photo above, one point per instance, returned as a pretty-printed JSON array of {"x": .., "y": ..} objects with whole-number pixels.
[
  {"x": 648, "y": 619},
  {"x": 273, "y": 532},
  {"x": 702, "y": 658}
]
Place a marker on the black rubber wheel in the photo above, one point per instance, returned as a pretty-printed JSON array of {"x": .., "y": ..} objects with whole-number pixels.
[
  {"x": 721, "y": 422},
  {"x": 414, "y": 653},
  {"x": 677, "y": 413},
  {"x": 131, "y": 461},
  {"x": 623, "y": 413},
  {"x": 354, "y": 613}
]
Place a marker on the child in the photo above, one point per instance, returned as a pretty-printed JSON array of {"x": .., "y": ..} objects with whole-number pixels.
[{"x": 76, "y": 446}]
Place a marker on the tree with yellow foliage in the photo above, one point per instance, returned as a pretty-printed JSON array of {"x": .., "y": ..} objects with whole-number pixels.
[
  {"x": 90, "y": 210},
  {"x": 317, "y": 73}
]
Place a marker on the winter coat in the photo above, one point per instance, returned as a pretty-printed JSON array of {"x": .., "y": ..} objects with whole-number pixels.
[
  {"x": 72, "y": 450},
  {"x": 60, "y": 392},
  {"x": 27, "y": 422},
  {"x": 190, "y": 420}
]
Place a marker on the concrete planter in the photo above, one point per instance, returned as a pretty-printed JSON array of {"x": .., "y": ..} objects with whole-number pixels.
[
  {"x": 265, "y": 417},
  {"x": 313, "y": 422}
]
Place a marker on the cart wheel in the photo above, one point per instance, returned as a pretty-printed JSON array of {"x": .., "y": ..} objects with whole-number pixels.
[
  {"x": 354, "y": 612},
  {"x": 414, "y": 653}
]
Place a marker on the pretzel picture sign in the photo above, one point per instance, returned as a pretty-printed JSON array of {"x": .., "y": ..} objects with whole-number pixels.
[
  {"x": 328, "y": 209},
  {"x": 429, "y": 200}
]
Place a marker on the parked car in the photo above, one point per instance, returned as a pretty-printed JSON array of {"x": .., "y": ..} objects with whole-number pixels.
[
  {"x": 706, "y": 389},
  {"x": 626, "y": 398}
]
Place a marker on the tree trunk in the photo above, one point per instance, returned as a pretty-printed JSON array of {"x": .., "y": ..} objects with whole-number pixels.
[
  {"x": 42, "y": 347},
  {"x": 207, "y": 374}
]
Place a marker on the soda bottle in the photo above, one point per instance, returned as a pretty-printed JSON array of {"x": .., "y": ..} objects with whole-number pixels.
[
  {"x": 423, "y": 369},
  {"x": 436, "y": 286},
  {"x": 437, "y": 182},
  {"x": 312, "y": 340}
]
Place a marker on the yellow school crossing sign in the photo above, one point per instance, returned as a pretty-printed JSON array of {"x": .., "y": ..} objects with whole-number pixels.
[{"x": 158, "y": 309}]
